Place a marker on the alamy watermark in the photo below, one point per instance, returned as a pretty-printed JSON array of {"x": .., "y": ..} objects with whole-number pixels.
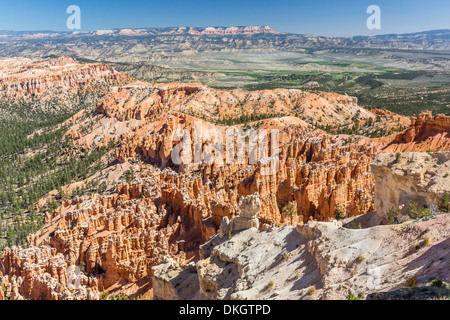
[
  {"x": 74, "y": 20},
  {"x": 374, "y": 21}
]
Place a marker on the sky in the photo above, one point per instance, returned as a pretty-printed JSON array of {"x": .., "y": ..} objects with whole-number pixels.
[{"x": 317, "y": 17}]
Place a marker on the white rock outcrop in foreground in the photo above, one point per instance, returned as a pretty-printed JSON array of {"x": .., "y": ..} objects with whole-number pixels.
[
  {"x": 249, "y": 207},
  {"x": 420, "y": 176},
  {"x": 317, "y": 260}
]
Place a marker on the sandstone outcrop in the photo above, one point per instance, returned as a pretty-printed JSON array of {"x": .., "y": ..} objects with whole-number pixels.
[
  {"x": 247, "y": 217},
  {"x": 2, "y": 294},
  {"x": 171, "y": 282},
  {"x": 248, "y": 30},
  {"x": 21, "y": 76},
  {"x": 318, "y": 260},
  {"x": 315, "y": 170},
  {"x": 410, "y": 176},
  {"x": 426, "y": 133},
  {"x": 213, "y": 105},
  {"x": 52, "y": 86},
  {"x": 115, "y": 240},
  {"x": 41, "y": 273}
]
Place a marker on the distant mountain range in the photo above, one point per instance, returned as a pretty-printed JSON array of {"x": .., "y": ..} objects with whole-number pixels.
[
  {"x": 136, "y": 32},
  {"x": 213, "y": 38},
  {"x": 443, "y": 34}
]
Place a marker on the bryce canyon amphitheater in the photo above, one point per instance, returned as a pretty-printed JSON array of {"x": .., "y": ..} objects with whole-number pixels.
[{"x": 318, "y": 228}]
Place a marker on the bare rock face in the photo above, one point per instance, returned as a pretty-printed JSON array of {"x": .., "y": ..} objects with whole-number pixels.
[
  {"x": 21, "y": 76},
  {"x": 138, "y": 99},
  {"x": 247, "y": 217},
  {"x": 241, "y": 223},
  {"x": 2, "y": 294},
  {"x": 320, "y": 260},
  {"x": 427, "y": 126},
  {"x": 426, "y": 133},
  {"x": 248, "y": 30},
  {"x": 249, "y": 207},
  {"x": 42, "y": 274},
  {"x": 224, "y": 227},
  {"x": 171, "y": 282},
  {"x": 53, "y": 85},
  {"x": 399, "y": 180}
]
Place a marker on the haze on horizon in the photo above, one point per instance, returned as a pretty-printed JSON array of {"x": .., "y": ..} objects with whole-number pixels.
[{"x": 323, "y": 17}]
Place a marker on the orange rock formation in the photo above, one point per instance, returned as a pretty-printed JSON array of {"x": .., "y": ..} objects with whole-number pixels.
[
  {"x": 21, "y": 76},
  {"x": 426, "y": 133},
  {"x": 169, "y": 210}
]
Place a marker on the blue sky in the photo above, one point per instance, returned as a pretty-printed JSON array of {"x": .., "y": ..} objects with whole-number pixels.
[{"x": 319, "y": 17}]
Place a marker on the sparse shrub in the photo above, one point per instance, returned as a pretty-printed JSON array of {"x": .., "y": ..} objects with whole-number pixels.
[
  {"x": 339, "y": 214},
  {"x": 105, "y": 295},
  {"x": 398, "y": 157},
  {"x": 129, "y": 175},
  {"x": 311, "y": 291},
  {"x": 229, "y": 235},
  {"x": 83, "y": 267},
  {"x": 412, "y": 282},
  {"x": 437, "y": 283},
  {"x": 442, "y": 286},
  {"x": 285, "y": 256},
  {"x": 394, "y": 216},
  {"x": 444, "y": 205},
  {"x": 354, "y": 226},
  {"x": 360, "y": 258},
  {"x": 351, "y": 296},
  {"x": 425, "y": 242},
  {"x": 417, "y": 213},
  {"x": 271, "y": 284}
]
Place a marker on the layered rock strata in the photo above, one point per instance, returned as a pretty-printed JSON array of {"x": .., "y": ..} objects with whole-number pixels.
[
  {"x": 34, "y": 77},
  {"x": 426, "y": 133}
]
